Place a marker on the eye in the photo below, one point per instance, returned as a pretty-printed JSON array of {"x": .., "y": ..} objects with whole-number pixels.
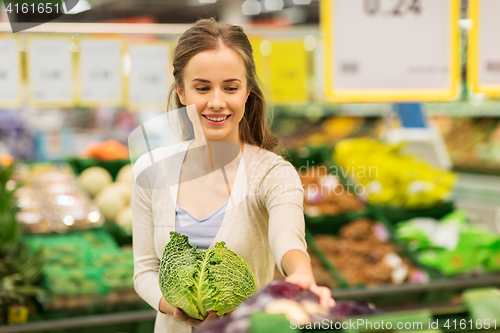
[
  {"x": 202, "y": 89},
  {"x": 231, "y": 89}
]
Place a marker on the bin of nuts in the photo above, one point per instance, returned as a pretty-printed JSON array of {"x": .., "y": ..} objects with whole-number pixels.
[{"x": 364, "y": 255}]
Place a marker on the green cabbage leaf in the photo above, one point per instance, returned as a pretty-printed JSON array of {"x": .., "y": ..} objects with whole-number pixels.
[{"x": 204, "y": 281}]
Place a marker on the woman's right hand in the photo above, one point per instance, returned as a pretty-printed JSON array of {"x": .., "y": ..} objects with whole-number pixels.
[{"x": 180, "y": 315}]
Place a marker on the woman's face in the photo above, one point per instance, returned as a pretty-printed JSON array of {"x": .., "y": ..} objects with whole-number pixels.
[{"x": 215, "y": 82}]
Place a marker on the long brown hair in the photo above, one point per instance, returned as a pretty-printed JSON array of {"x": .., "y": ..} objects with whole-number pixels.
[{"x": 208, "y": 34}]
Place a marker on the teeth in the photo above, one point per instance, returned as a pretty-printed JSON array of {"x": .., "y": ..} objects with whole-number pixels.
[{"x": 217, "y": 119}]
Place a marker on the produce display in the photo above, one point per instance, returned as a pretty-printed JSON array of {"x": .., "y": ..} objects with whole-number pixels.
[
  {"x": 299, "y": 133},
  {"x": 364, "y": 255},
  {"x": 199, "y": 282},
  {"x": 82, "y": 263},
  {"x": 390, "y": 177},
  {"x": 278, "y": 307},
  {"x": 112, "y": 198},
  {"x": 109, "y": 150},
  {"x": 452, "y": 245},
  {"x": 50, "y": 200},
  {"x": 322, "y": 276},
  {"x": 324, "y": 193},
  {"x": 471, "y": 142}
]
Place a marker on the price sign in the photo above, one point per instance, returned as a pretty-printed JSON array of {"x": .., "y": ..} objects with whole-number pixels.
[
  {"x": 100, "y": 77},
  {"x": 9, "y": 73},
  {"x": 288, "y": 71},
  {"x": 50, "y": 68},
  {"x": 390, "y": 50},
  {"x": 483, "y": 62},
  {"x": 150, "y": 75},
  {"x": 261, "y": 52}
]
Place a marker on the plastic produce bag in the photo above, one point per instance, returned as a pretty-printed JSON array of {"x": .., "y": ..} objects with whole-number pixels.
[{"x": 278, "y": 307}]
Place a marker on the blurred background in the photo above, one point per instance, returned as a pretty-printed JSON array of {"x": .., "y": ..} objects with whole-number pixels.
[{"x": 388, "y": 109}]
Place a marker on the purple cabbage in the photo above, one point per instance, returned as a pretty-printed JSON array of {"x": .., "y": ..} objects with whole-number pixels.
[{"x": 239, "y": 320}]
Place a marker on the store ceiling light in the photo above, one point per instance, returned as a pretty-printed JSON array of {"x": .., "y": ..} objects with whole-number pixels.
[
  {"x": 93, "y": 217},
  {"x": 310, "y": 43},
  {"x": 81, "y": 6},
  {"x": 265, "y": 48},
  {"x": 301, "y": 2},
  {"x": 272, "y": 5},
  {"x": 207, "y": 1},
  {"x": 251, "y": 7},
  {"x": 69, "y": 220}
]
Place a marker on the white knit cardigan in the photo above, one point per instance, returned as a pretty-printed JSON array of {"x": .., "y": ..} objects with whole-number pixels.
[{"x": 263, "y": 221}]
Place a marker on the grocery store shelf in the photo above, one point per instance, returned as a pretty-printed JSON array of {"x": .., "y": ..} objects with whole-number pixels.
[
  {"x": 439, "y": 285},
  {"x": 489, "y": 108},
  {"x": 111, "y": 28},
  {"x": 157, "y": 29},
  {"x": 88, "y": 321}
]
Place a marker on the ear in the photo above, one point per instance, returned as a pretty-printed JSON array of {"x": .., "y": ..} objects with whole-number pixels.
[
  {"x": 180, "y": 93},
  {"x": 248, "y": 94}
]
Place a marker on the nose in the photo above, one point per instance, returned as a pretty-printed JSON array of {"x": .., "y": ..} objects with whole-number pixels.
[{"x": 216, "y": 101}]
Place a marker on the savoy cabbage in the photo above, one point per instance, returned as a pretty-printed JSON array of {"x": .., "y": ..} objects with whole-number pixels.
[{"x": 199, "y": 282}]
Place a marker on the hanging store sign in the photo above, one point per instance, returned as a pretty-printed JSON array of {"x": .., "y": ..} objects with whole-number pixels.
[
  {"x": 391, "y": 50},
  {"x": 483, "y": 62},
  {"x": 50, "y": 72},
  {"x": 100, "y": 75},
  {"x": 10, "y": 72},
  {"x": 288, "y": 72},
  {"x": 150, "y": 75}
]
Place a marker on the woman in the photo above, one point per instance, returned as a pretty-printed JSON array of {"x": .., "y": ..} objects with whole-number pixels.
[{"x": 253, "y": 204}]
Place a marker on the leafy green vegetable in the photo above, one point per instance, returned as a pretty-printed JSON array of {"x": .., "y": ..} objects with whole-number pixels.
[{"x": 204, "y": 281}]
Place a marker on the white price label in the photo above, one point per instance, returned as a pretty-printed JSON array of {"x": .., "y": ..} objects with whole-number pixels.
[
  {"x": 50, "y": 66},
  {"x": 9, "y": 73},
  {"x": 100, "y": 79},
  {"x": 483, "y": 63},
  {"x": 391, "y": 50},
  {"x": 150, "y": 75}
]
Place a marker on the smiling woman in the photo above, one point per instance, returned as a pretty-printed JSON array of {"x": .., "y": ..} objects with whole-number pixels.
[
  {"x": 215, "y": 82},
  {"x": 253, "y": 203},
  {"x": 215, "y": 60}
]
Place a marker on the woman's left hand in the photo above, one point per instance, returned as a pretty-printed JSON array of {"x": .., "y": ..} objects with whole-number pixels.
[{"x": 306, "y": 281}]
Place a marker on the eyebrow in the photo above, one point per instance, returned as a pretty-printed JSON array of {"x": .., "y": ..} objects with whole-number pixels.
[{"x": 207, "y": 81}]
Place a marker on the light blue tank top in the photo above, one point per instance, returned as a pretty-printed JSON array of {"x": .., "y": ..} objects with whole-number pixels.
[{"x": 201, "y": 232}]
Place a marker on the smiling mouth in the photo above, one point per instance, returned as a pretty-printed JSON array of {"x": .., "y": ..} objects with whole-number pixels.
[{"x": 217, "y": 119}]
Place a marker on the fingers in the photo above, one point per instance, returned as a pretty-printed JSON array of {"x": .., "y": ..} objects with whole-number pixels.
[
  {"x": 180, "y": 315},
  {"x": 325, "y": 296},
  {"x": 211, "y": 317}
]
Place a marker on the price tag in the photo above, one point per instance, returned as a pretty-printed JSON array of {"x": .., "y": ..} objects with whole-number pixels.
[
  {"x": 288, "y": 72},
  {"x": 391, "y": 50},
  {"x": 51, "y": 78},
  {"x": 262, "y": 62},
  {"x": 483, "y": 63},
  {"x": 100, "y": 77},
  {"x": 9, "y": 73},
  {"x": 150, "y": 76}
]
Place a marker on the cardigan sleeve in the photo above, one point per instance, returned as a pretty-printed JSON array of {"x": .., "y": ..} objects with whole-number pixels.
[
  {"x": 146, "y": 262},
  {"x": 282, "y": 194}
]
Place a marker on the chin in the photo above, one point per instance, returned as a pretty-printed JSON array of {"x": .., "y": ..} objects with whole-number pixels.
[{"x": 215, "y": 137}]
